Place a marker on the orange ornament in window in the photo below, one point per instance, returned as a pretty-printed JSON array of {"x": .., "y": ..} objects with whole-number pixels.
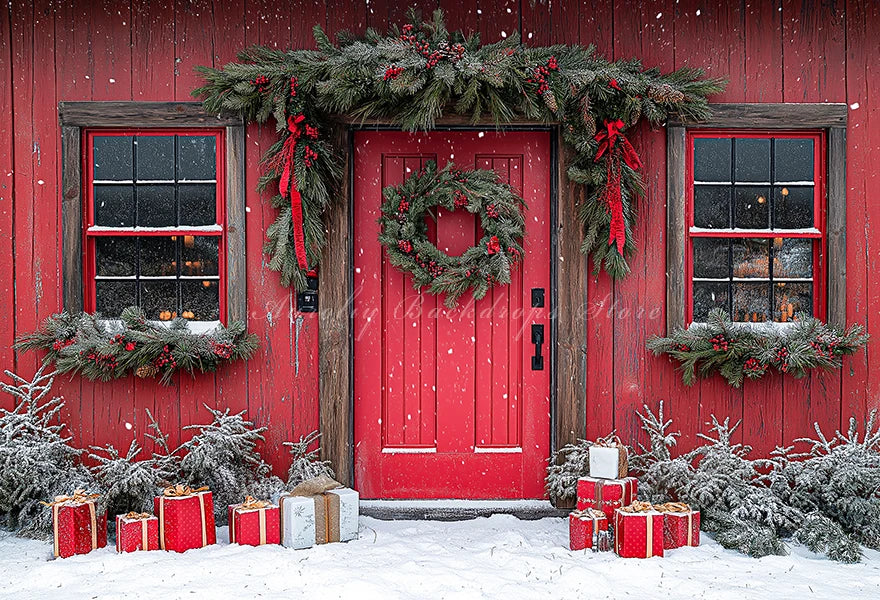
[
  {"x": 188, "y": 314},
  {"x": 165, "y": 315}
]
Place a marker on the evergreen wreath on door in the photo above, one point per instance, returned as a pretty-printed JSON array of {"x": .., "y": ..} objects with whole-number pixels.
[
  {"x": 405, "y": 231},
  {"x": 412, "y": 76}
]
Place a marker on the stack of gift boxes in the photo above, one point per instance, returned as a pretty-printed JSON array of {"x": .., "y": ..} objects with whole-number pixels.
[
  {"x": 608, "y": 516},
  {"x": 317, "y": 511}
]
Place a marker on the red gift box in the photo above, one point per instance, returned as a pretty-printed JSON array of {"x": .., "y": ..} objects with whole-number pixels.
[
  {"x": 681, "y": 525},
  {"x": 186, "y": 518},
  {"x": 606, "y": 494},
  {"x": 77, "y": 527},
  {"x": 254, "y": 523},
  {"x": 583, "y": 526},
  {"x": 137, "y": 531},
  {"x": 638, "y": 531}
]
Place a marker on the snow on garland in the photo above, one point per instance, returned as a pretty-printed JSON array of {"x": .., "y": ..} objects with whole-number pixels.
[
  {"x": 98, "y": 349},
  {"x": 412, "y": 76},
  {"x": 736, "y": 351},
  {"x": 405, "y": 232}
]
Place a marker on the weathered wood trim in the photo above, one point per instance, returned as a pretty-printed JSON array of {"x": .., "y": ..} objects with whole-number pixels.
[
  {"x": 770, "y": 116},
  {"x": 334, "y": 324},
  {"x": 571, "y": 317},
  {"x": 836, "y": 227},
  {"x": 71, "y": 218},
  {"x": 675, "y": 228},
  {"x": 236, "y": 263},
  {"x": 141, "y": 114}
]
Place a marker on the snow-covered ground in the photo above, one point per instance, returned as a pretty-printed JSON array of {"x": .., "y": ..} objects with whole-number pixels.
[{"x": 496, "y": 557}]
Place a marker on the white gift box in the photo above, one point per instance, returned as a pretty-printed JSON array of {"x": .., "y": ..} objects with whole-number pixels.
[
  {"x": 605, "y": 462},
  {"x": 319, "y": 519},
  {"x": 297, "y": 521},
  {"x": 348, "y": 513}
]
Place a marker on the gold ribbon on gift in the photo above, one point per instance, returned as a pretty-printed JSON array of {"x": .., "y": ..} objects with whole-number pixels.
[
  {"x": 680, "y": 507},
  {"x": 177, "y": 491},
  {"x": 144, "y": 519},
  {"x": 250, "y": 503},
  {"x": 590, "y": 513},
  {"x": 636, "y": 508},
  {"x": 136, "y": 516},
  {"x": 612, "y": 441},
  {"x": 78, "y": 497}
]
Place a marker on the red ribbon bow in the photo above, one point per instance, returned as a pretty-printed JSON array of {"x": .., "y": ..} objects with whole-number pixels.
[
  {"x": 287, "y": 187},
  {"x": 608, "y": 137}
]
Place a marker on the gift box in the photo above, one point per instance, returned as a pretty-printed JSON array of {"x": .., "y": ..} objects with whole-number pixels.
[
  {"x": 137, "y": 531},
  {"x": 608, "y": 459},
  {"x": 318, "y": 512},
  {"x": 681, "y": 525},
  {"x": 638, "y": 531},
  {"x": 77, "y": 526},
  {"x": 186, "y": 518},
  {"x": 254, "y": 523},
  {"x": 606, "y": 495},
  {"x": 585, "y": 528}
]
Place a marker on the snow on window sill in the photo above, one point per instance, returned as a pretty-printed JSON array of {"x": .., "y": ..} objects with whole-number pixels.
[
  {"x": 197, "y": 327},
  {"x": 767, "y": 327}
]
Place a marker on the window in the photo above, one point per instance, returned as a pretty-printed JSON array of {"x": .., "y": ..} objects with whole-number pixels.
[
  {"x": 756, "y": 214},
  {"x": 755, "y": 224},
  {"x": 153, "y": 210},
  {"x": 155, "y": 223}
]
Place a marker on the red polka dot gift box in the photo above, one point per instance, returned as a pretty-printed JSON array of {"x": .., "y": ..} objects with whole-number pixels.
[
  {"x": 186, "y": 518},
  {"x": 638, "y": 531},
  {"x": 681, "y": 525},
  {"x": 585, "y": 528},
  {"x": 137, "y": 531},
  {"x": 254, "y": 523},
  {"x": 606, "y": 495},
  {"x": 78, "y": 527}
]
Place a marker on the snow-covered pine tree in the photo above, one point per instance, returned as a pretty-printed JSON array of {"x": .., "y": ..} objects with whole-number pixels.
[
  {"x": 129, "y": 484},
  {"x": 37, "y": 461},
  {"x": 306, "y": 462},
  {"x": 661, "y": 477},
  {"x": 223, "y": 456},
  {"x": 566, "y": 465}
]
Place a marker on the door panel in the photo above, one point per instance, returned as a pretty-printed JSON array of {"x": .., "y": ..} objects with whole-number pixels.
[{"x": 446, "y": 403}]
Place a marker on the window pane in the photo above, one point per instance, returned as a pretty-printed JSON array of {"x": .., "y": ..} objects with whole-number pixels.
[
  {"x": 155, "y": 157},
  {"x": 113, "y": 159},
  {"x": 158, "y": 256},
  {"x": 115, "y": 256},
  {"x": 752, "y": 160},
  {"x": 793, "y": 207},
  {"x": 200, "y": 300},
  {"x": 198, "y": 204},
  {"x": 155, "y": 205},
  {"x": 751, "y": 258},
  {"x": 113, "y": 296},
  {"x": 708, "y": 296},
  {"x": 751, "y": 301},
  {"x": 711, "y": 258},
  {"x": 792, "y": 258},
  {"x": 793, "y": 160},
  {"x": 200, "y": 255},
  {"x": 712, "y": 159},
  {"x": 712, "y": 206},
  {"x": 792, "y": 298},
  {"x": 159, "y": 299},
  {"x": 752, "y": 208},
  {"x": 197, "y": 157},
  {"x": 114, "y": 205}
]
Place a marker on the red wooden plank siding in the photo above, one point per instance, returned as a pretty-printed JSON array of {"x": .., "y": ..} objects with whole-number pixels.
[{"x": 782, "y": 50}]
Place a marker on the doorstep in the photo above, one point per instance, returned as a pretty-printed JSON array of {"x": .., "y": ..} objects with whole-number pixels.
[{"x": 458, "y": 510}]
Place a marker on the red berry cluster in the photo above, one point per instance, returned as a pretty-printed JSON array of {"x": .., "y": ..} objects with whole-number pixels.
[
  {"x": 824, "y": 348},
  {"x": 165, "y": 359},
  {"x": 392, "y": 72},
  {"x": 682, "y": 348},
  {"x": 492, "y": 246},
  {"x": 434, "y": 269},
  {"x": 422, "y": 46},
  {"x": 459, "y": 199},
  {"x": 754, "y": 367},
  {"x": 492, "y": 211},
  {"x": 403, "y": 206},
  {"x": 782, "y": 358},
  {"x": 513, "y": 252},
  {"x": 720, "y": 343},
  {"x": 539, "y": 75},
  {"x": 490, "y": 279},
  {"x": 260, "y": 82},
  {"x": 311, "y": 132},
  {"x": 105, "y": 362},
  {"x": 310, "y": 156},
  {"x": 222, "y": 350},
  {"x": 59, "y": 344},
  {"x": 293, "y": 84},
  {"x": 404, "y": 246}
]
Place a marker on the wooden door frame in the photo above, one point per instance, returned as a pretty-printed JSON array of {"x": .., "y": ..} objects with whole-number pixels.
[{"x": 568, "y": 289}]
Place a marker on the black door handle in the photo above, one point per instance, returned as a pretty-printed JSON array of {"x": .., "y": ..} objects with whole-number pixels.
[{"x": 538, "y": 341}]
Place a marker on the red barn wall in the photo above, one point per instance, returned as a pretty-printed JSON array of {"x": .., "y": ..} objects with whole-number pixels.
[{"x": 774, "y": 51}]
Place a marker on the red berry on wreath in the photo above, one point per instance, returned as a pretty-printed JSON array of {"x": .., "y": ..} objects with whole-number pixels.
[
  {"x": 492, "y": 246},
  {"x": 492, "y": 211}
]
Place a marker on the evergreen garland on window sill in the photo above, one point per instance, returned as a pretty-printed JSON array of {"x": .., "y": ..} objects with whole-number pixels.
[
  {"x": 415, "y": 74},
  {"x": 100, "y": 349},
  {"x": 736, "y": 351}
]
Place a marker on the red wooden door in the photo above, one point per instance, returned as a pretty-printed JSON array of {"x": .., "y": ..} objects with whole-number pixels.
[{"x": 446, "y": 403}]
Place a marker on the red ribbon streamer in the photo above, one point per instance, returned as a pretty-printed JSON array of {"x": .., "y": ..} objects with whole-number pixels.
[
  {"x": 608, "y": 137},
  {"x": 611, "y": 195},
  {"x": 287, "y": 187}
]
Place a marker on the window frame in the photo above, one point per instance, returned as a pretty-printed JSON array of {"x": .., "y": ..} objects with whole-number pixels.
[
  {"x": 829, "y": 118},
  {"x": 819, "y": 211},
  {"x": 79, "y": 119}
]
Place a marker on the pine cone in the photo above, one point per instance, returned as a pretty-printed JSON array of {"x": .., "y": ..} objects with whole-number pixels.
[
  {"x": 550, "y": 100},
  {"x": 146, "y": 371},
  {"x": 635, "y": 113},
  {"x": 589, "y": 125},
  {"x": 585, "y": 108},
  {"x": 665, "y": 93}
]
